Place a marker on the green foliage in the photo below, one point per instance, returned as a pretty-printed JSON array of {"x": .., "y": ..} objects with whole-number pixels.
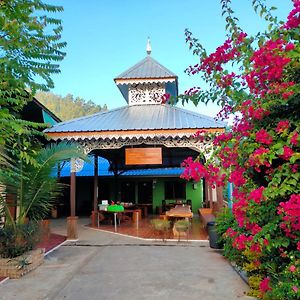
[
  {"x": 256, "y": 79},
  {"x": 30, "y": 50},
  {"x": 16, "y": 241},
  {"x": 161, "y": 225},
  {"x": 32, "y": 186},
  {"x": 224, "y": 219},
  {"x": 182, "y": 225},
  {"x": 68, "y": 107},
  {"x": 30, "y": 45}
]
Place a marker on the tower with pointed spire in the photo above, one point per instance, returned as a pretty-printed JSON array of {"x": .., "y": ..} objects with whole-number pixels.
[{"x": 147, "y": 81}]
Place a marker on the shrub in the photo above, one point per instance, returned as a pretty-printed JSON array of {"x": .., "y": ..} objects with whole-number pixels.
[
  {"x": 16, "y": 241},
  {"x": 256, "y": 79}
]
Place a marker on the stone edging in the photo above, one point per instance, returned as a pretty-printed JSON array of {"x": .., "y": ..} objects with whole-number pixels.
[{"x": 19, "y": 266}]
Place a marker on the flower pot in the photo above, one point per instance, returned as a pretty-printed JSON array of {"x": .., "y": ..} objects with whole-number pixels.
[{"x": 20, "y": 265}]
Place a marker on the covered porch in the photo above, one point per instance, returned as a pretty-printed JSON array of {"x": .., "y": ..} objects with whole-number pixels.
[
  {"x": 146, "y": 134},
  {"x": 144, "y": 229}
]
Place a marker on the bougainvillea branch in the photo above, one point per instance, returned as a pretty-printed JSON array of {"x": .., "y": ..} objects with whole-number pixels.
[{"x": 256, "y": 79}]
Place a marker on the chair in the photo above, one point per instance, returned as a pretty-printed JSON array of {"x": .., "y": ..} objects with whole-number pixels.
[
  {"x": 163, "y": 205},
  {"x": 189, "y": 202},
  {"x": 181, "y": 227},
  {"x": 162, "y": 226}
]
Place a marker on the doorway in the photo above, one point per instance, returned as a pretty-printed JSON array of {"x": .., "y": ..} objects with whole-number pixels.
[
  {"x": 145, "y": 192},
  {"x": 128, "y": 192}
]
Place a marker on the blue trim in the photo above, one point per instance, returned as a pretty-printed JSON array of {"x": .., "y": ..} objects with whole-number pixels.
[{"x": 103, "y": 170}]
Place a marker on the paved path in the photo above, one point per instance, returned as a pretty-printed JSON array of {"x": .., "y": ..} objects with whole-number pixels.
[{"x": 107, "y": 266}]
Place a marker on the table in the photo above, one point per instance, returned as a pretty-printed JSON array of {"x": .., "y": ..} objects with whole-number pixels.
[
  {"x": 111, "y": 212},
  {"x": 180, "y": 211},
  {"x": 144, "y": 207}
]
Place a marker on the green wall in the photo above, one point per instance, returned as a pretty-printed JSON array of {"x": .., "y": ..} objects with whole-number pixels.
[
  {"x": 195, "y": 193},
  {"x": 158, "y": 193}
]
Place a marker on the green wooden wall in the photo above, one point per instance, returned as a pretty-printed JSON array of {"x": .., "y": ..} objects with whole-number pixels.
[{"x": 193, "y": 192}]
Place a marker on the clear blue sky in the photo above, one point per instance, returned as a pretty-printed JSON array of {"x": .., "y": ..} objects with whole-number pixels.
[{"x": 106, "y": 37}]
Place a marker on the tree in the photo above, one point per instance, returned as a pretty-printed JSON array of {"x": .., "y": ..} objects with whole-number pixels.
[
  {"x": 34, "y": 188},
  {"x": 256, "y": 79},
  {"x": 68, "y": 107},
  {"x": 30, "y": 49}
]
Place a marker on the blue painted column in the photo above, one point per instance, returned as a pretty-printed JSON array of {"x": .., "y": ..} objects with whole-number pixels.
[{"x": 230, "y": 190}]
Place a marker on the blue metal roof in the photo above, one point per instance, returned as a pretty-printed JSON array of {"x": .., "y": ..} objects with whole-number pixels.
[
  {"x": 103, "y": 170},
  {"x": 139, "y": 117}
]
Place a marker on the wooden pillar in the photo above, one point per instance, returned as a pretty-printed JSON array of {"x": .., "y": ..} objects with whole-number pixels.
[
  {"x": 219, "y": 198},
  {"x": 73, "y": 194},
  {"x": 95, "y": 198},
  {"x": 210, "y": 197},
  {"x": 72, "y": 233}
]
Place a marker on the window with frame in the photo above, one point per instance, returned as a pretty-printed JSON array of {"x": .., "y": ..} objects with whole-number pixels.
[{"x": 175, "y": 189}]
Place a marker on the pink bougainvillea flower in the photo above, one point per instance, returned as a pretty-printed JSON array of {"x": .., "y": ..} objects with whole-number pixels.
[
  {"x": 165, "y": 98},
  {"x": 294, "y": 168},
  {"x": 293, "y": 20},
  {"x": 241, "y": 241},
  {"x": 298, "y": 246},
  {"x": 263, "y": 137},
  {"x": 292, "y": 268},
  {"x": 241, "y": 37},
  {"x": 290, "y": 211},
  {"x": 264, "y": 285},
  {"x": 295, "y": 139},
  {"x": 257, "y": 195},
  {"x": 236, "y": 177},
  {"x": 295, "y": 288},
  {"x": 287, "y": 153},
  {"x": 287, "y": 95},
  {"x": 282, "y": 126},
  {"x": 255, "y": 248},
  {"x": 194, "y": 170}
]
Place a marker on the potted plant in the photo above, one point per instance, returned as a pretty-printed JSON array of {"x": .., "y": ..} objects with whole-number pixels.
[
  {"x": 182, "y": 225},
  {"x": 181, "y": 228},
  {"x": 33, "y": 191},
  {"x": 161, "y": 226}
]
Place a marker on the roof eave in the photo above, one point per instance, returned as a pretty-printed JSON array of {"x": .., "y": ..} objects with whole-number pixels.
[{"x": 126, "y": 80}]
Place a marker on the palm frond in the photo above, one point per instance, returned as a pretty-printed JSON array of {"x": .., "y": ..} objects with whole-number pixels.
[{"x": 34, "y": 187}]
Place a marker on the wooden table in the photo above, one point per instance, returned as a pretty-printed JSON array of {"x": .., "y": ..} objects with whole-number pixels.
[
  {"x": 180, "y": 211},
  {"x": 109, "y": 212},
  {"x": 144, "y": 207}
]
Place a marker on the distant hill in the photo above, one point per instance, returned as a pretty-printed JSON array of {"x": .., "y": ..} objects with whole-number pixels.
[{"x": 68, "y": 107}]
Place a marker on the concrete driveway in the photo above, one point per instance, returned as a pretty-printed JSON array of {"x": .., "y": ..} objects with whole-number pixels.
[{"x": 107, "y": 266}]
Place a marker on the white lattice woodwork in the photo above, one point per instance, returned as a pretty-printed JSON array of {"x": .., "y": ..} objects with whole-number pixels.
[{"x": 146, "y": 93}]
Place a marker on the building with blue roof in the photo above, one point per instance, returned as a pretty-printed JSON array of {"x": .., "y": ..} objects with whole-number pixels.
[{"x": 137, "y": 149}]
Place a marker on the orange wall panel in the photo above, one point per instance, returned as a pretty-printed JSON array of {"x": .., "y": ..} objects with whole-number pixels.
[{"x": 143, "y": 156}]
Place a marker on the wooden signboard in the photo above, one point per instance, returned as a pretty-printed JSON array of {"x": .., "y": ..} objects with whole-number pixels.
[{"x": 143, "y": 156}]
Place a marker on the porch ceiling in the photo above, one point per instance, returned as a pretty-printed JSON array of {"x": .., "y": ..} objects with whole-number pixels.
[{"x": 171, "y": 157}]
